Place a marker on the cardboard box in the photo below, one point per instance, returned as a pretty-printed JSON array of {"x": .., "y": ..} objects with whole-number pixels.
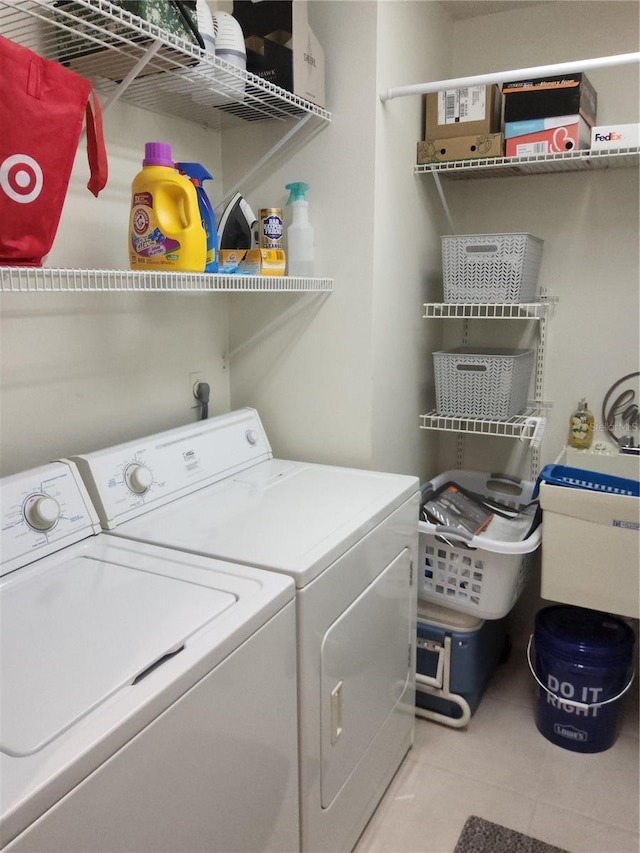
[
  {"x": 552, "y": 140},
  {"x": 281, "y": 47},
  {"x": 263, "y": 262},
  {"x": 472, "y": 111},
  {"x": 537, "y": 125},
  {"x": 252, "y": 261},
  {"x": 544, "y": 97},
  {"x": 608, "y": 136},
  {"x": 590, "y": 549},
  {"x": 460, "y": 148},
  {"x": 229, "y": 260}
]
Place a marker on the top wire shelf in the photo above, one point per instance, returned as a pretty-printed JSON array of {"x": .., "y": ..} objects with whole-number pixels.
[
  {"x": 53, "y": 280},
  {"x": 161, "y": 72},
  {"x": 535, "y": 164}
]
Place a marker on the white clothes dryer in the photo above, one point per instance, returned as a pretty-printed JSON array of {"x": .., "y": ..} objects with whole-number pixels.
[
  {"x": 148, "y": 697},
  {"x": 347, "y": 537}
]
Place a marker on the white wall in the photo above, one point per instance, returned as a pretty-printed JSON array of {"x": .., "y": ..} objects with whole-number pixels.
[
  {"x": 589, "y": 221},
  {"x": 79, "y": 372},
  {"x": 344, "y": 380},
  {"x": 311, "y": 380},
  {"x": 311, "y": 364},
  {"x": 414, "y": 43}
]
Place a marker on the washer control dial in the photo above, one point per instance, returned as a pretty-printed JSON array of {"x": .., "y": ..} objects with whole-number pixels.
[
  {"x": 252, "y": 436},
  {"x": 41, "y": 512},
  {"x": 138, "y": 478}
]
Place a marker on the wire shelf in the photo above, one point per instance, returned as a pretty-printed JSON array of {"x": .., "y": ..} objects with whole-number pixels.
[
  {"x": 527, "y": 426},
  {"x": 539, "y": 164},
  {"x": 41, "y": 280},
  {"x": 492, "y": 311},
  {"x": 100, "y": 41}
]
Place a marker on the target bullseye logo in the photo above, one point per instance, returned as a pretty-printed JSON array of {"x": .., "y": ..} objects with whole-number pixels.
[{"x": 21, "y": 178}]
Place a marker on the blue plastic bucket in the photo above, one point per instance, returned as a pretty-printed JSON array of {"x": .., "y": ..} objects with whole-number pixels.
[{"x": 583, "y": 663}]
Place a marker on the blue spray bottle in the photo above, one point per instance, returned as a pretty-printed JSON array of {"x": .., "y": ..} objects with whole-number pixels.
[{"x": 197, "y": 174}]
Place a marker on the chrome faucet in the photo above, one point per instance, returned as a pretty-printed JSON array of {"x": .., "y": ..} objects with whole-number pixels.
[{"x": 627, "y": 444}]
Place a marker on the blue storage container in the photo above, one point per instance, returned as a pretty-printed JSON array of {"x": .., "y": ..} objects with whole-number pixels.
[
  {"x": 456, "y": 656},
  {"x": 579, "y": 478}
]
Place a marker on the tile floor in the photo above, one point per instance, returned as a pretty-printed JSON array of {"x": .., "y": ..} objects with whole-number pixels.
[{"x": 500, "y": 768}]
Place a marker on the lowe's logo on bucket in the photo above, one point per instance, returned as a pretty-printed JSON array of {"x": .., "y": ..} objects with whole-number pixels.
[
  {"x": 21, "y": 178},
  {"x": 571, "y": 733}
]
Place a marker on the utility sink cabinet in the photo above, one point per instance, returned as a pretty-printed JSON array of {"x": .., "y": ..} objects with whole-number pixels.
[{"x": 591, "y": 540}]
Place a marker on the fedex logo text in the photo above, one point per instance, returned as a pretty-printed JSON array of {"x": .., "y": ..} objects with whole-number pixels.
[{"x": 608, "y": 137}]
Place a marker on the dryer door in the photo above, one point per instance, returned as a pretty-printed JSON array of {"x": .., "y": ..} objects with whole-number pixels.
[{"x": 365, "y": 666}]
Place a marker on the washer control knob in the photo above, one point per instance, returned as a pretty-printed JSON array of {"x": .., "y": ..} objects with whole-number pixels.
[
  {"x": 138, "y": 478},
  {"x": 41, "y": 512},
  {"x": 252, "y": 436}
]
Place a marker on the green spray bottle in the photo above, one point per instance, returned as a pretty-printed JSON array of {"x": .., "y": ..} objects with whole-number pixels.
[{"x": 300, "y": 240}]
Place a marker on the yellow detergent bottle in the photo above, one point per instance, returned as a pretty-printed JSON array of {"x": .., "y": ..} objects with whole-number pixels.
[{"x": 165, "y": 227}]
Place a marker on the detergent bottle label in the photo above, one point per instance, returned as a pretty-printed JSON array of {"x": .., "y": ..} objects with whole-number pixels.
[{"x": 147, "y": 239}]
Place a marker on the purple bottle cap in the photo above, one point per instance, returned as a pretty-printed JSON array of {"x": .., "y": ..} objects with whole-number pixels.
[{"x": 157, "y": 154}]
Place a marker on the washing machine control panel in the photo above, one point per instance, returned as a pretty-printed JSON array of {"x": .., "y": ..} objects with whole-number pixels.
[
  {"x": 132, "y": 478},
  {"x": 43, "y": 510}
]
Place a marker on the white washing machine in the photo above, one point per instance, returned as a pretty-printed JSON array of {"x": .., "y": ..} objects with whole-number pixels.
[
  {"x": 349, "y": 540},
  {"x": 148, "y": 697}
]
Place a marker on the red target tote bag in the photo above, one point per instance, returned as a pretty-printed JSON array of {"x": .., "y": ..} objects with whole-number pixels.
[{"x": 42, "y": 110}]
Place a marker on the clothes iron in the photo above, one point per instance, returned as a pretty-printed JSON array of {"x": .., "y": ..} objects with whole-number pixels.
[{"x": 238, "y": 225}]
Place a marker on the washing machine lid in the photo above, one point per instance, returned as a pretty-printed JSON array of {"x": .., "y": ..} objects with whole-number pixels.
[
  {"x": 86, "y": 639},
  {"x": 290, "y": 517},
  {"x": 79, "y": 628}
]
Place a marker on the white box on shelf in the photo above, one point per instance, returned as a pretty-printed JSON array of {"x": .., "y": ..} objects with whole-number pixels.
[{"x": 611, "y": 136}]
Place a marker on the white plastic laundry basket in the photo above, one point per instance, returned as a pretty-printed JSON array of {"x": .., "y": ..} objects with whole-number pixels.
[{"x": 476, "y": 574}]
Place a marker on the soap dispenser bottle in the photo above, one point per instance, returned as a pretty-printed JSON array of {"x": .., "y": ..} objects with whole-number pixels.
[
  {"x": 581, "y": 427},
  {"x": 300, "y": 241}
]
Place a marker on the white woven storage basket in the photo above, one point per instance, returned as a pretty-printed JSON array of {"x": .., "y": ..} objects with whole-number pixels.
[
  {"x": 481, "y": 268},
  {"x": 479, "y": 382},
  {"x": 477, "y": 575}
]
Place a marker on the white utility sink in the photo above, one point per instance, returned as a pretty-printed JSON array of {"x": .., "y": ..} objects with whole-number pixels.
[
  {"x": 614, "y": 463},
  {"x": 591, "y": 539}
]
